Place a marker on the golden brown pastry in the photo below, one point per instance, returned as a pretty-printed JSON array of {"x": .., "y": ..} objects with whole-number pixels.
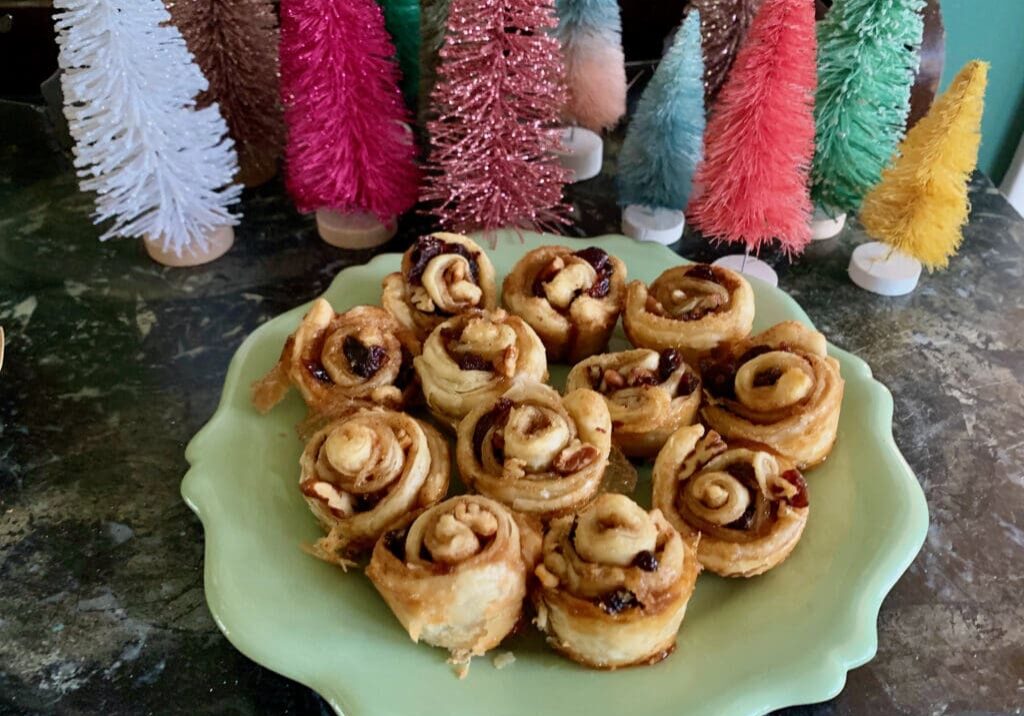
[
  {"x": 649, "y": 395},
  {"x": 363, "y": 473},
  {"x": 456, "y": 577},
  {"x": 333, "y": 358},
  {"x": 779, "y": 388},
  {"x": 442, "y": 275},
  {"x": 535, "y": 451},
  {"x": 692, "y": 308},
  {"x": 474, "y": 357},
  {"x": 748, "y": 505},
  {"x": 572, "y": 299},
  {"x": 613, "y": 584}
]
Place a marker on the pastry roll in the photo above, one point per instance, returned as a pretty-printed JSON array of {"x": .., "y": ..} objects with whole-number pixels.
[
  {"x": 572, "y": 299},
  {"x": 779, "y": 388},
  {"x": 535, "y": 451},
  {"x": 748, "y": 505},
  {"x": 613, "y": 585},
  {"x": 691, "y": 308},
  {"x": 333, "y": 358},
  {"x": 456, "y": 577},
  {"x": 649, "y": 395},
  {"x": 363, "y": 473},
  {"x": 474, "y": 357},
  {"x": 442, "y": 275}
]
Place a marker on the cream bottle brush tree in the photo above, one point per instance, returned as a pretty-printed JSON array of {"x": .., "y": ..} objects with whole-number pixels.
[{"x": 161, "y": 169}]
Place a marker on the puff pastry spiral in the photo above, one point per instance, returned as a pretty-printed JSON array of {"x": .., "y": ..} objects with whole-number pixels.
[
  {"x": 535, "y": 451},
  {"x": 649, "y": 395},
  {"x": 456, "y": 577},
  {"x": 363, "y": 473},
  {"x": 779, "y": 388},
  {"x": 613, "y": 584},
  {"x": 748, "y": 505},
  {"x": 572, "y": 299},
  {"x": 692, "y": 308},
  {"x": 476, "y": 356},
  {"x": 333, "y": 358},
  {"x": 442, "y": 275}
]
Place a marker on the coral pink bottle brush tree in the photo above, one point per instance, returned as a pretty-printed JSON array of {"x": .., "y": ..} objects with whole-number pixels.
[
  {"x": 752, "y": 187},
  {"x": 349, "y": 154}
]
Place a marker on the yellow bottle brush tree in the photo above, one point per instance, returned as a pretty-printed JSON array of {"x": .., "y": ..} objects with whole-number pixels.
[{"x": 920, "y": 205}]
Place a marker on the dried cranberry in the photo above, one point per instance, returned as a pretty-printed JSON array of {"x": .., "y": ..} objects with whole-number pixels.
[
  {"x": 497, "y": 416},
  {"x": 688, "y": 383},
  {"x": 471, "y": 361},
  {"x": 365, "y": 360},
  {"x": 766, "y": 377},
  {"x": 668, "y": 363},
  {"x": 394, "y": 542},
  {"x": 646, "y": 561},
  {"x": 704, "y": 272},
  {"x": 719, "y": 379},
  {"x": 317, "y": 370},
  {"x": 753, "y": 353},
  {"x": 598, "y": 258},
  {"x": 794, "y": 477},
  {"x": 618, "y": 600}
]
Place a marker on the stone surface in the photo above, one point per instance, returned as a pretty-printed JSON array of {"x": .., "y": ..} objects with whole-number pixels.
[{"x": 113, "y": 363}]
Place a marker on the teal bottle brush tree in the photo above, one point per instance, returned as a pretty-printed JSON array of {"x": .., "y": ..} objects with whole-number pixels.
[
  {"x": 867, "y": 57},
  {"x": 664, "y": 142}
]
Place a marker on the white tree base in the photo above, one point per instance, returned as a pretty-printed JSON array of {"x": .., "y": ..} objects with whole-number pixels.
[
  {"x": 661, "y": 226},
  {"x": 824, "y": 226},
  {"x": 749, "y": 266},
  {"x": 582, "y": 153},
  {"x": 880, "y": 269},
  {"x": 353, "y": 231},
  {"x": 218, "y": 241}
]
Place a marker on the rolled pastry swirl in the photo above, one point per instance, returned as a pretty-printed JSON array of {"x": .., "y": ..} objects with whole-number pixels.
[
  {"x": 779, "y": 388},
  {"x": 474, "y": 357},
  {"x": 649, "y": 395},
  {"x": 748, "y": 505},
  {"x": 534, "y": 451},
  {"x": 613, "y": 584},
  {"x": 691, "y": 308},
  {"x": 572, "y": 299},
  {"x": 456, "y": 577},
  {"x": 442, "y": 275},
  {"x": 361, "y": 355},
  {"x": 363, "y": 473}
]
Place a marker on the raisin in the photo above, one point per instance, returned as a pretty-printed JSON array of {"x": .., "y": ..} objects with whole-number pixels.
[
  {"x": 317, "y": 370},
  {"x": 365, "y": 360},
  {"x": 618, "y": 601},
  {"x": 766, "y": 377},
  {"x": 394, "y": 542},
  {"x": 598, "y": 258},
  {"x": 744, "y": 472},
  {"x": 406, "y": 374},
  {"x": 646, "y": 561},
  {"x": 688, "y": 383},
  {"x": 719, "y": 379},
  {"x": 471, "y": 361},
  {"x": 367, "y": 501},
  {"x": 794, "y": 477},
  {"x": 704, "y": 272},
  {"x": 496, "y": 417},
  {"x": 668, "y": 363}
]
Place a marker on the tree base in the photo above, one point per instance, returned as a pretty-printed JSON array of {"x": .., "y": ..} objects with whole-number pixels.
[
  {"x": 353, "y": 231},
  {"x": 749, "y": 266},
  {"x": 879, "y": 268},
  {"x": 218, "y": 241},
  {"x": 660, "y": 226},
  {"x": 824, "y": 226},
  {"x": 582, "y": 153}
]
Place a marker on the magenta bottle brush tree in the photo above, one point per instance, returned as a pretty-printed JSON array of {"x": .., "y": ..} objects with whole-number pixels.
[
  {"x": 496, "y": 103},
  {"x": 349, "y": 154}
]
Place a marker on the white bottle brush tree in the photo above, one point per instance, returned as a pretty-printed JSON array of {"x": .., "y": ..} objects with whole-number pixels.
[{"x": 161, "y": 169}]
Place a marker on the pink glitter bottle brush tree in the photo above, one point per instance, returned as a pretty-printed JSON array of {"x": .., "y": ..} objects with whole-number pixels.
[
  {"x": 752, "y": 187},
  {"x": 350, "y": 155},
  {"x": 497, "y": 104}
]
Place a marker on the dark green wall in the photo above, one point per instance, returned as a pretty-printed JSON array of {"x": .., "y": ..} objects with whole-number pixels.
[{"x": 991, "y": 30}]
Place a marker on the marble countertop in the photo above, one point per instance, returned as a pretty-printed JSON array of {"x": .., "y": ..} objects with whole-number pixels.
[{"x": 113, "y": 363}]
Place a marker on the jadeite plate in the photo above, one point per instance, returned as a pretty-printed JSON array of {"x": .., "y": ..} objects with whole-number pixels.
[{"x": 745, "y": 647}]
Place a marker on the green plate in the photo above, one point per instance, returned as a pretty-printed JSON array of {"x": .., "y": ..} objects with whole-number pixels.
[{"x": 745, "y": 647}]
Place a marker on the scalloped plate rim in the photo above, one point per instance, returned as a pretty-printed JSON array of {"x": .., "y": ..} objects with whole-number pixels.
[{"x": 823, "y": 673}]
